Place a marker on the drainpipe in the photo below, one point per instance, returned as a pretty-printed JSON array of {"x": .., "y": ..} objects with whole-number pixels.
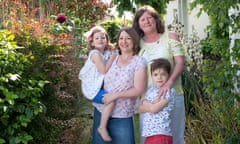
[
  {"x": 182, "y": 12},
  {"x": 234, "y": 14}
]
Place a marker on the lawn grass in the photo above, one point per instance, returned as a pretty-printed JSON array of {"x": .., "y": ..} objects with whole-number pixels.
[
  {"x": 86, "y": 111},
  {"x": 136, "y": 128}
]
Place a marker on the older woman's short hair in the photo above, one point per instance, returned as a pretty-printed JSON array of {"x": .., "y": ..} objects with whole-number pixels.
[{"x": 140, "y": 11}]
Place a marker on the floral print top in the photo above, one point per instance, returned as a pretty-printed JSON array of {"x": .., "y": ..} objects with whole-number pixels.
[
  {"x": 118, "y": 79},
  {"x": 158, "y": 123}
]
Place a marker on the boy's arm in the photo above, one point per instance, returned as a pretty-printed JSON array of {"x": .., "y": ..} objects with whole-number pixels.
[{"x": 153, "y": 107}]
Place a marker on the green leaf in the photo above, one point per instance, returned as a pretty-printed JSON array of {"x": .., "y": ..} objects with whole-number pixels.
[
  {"x": 29, "y": 113},
  {"x": 4, "y": 119},
  {"x": 23, "y": 120},
  {"x": 2, "y": 141},
  {"x": 10, "y": 98},
  {"x": 42, "y": 83},
  {"x": 27, "y": 138}
]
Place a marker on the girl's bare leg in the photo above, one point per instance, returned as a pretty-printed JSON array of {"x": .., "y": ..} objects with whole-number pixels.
[{"x": 102, "y": 129}]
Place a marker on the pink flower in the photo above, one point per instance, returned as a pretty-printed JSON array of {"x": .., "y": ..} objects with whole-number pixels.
[{"x": 61, "y": 18}]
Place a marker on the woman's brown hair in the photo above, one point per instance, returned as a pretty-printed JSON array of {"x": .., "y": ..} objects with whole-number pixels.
[
  {"x": 135, "y": 38},
  {"x": 153, "y": 13}
]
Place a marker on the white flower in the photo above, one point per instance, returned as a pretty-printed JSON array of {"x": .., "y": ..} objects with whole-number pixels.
[{"x": 14, "y": 77}]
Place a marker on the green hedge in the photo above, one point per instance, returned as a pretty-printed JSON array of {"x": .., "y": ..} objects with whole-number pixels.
[{"x": 19, "y": 101}]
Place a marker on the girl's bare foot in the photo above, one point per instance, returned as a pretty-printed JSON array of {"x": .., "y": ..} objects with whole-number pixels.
[{"x": 104, "y": 134}]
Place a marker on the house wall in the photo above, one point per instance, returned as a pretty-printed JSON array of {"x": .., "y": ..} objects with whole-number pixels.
[{"x": 180, "y": 8}]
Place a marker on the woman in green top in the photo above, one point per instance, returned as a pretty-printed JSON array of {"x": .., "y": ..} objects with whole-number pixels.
[{"x": 156, "y": 43}]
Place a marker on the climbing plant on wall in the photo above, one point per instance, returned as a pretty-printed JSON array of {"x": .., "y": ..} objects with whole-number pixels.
[{"x": 219, "y": 112}]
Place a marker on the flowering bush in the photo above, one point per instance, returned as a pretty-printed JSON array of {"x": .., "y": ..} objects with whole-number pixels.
[
  {"x": 61, "y": 18},
  {"x": 54, "y": 46},
  {"x": 193, "y": 58},
  {"x": 20, "y": 93}
]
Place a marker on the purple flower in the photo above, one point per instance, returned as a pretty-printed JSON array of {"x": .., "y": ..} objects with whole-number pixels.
[{"x": 61, "y": 18}]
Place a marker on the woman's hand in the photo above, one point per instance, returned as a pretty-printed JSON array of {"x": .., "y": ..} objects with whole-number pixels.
[
  {"x": 177, "y": 70},
  {"x": 145, "y": 106},
  {"x": 156, "y": 100},
  {"x": 165, "y": 88},
  {"x": 109, "y": 97},
  {"x": 141, "y": 108}
]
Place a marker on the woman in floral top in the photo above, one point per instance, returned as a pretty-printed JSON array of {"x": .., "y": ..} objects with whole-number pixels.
[{"x": 125, "y": 81}]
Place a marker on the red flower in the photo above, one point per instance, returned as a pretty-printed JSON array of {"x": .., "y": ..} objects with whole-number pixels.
[{"x": 61, "y": 18}]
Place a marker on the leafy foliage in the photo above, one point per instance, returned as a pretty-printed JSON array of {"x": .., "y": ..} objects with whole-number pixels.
[
  {"x": 191, "y": 76},
  {"x": 51, "y": 50},
  {"x": 211, "y": 79},
  {"x": 132, "y": 5},
  {"x": 50, "y": 45},
  {"x": 51, "y": 53},
  {"x": 20, "y": 94},
  {"x": 54, "y": 50},
  {"x": 112, "y": 27},
  {"x": 218, "y": 113}
]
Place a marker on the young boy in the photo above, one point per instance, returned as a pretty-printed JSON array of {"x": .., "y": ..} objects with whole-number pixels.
[{"x": 157, "y": 109}]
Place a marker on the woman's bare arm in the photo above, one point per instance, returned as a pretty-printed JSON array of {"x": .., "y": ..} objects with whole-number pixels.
[{"x": 140, "y": 84}]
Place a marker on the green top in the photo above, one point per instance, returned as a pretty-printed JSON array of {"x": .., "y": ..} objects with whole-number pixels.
[{"x": 163, "y": 48}]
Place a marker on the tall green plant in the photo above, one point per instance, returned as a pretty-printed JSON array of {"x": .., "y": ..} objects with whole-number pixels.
[
  {"x": 53, "y": 47},
  {"x": 131, "y": 5},
  {"x": 222, "y": 101},
  {"x": 193, "y": 61},
  {"x": 51, "y": 60},
  {"x": 20, "y": 94},
  {"x": 112, "y": 27}
]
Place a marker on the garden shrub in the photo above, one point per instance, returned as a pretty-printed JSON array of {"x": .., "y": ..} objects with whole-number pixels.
[
  {"x": 217, "y": 114},
  {"x": 53, "y": 49},
  {"x": 51, "y": 56},
  {"x": 212, "y": 104},
  {"x": 191, "y": 75},
  {"x": 112, "y": 27},
  {"x": 20, "y": 93}
]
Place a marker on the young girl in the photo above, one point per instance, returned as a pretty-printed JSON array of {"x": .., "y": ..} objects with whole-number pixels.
[
  {"x": 100, "y": 58},
  {"x": 157, "y": 111}
]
